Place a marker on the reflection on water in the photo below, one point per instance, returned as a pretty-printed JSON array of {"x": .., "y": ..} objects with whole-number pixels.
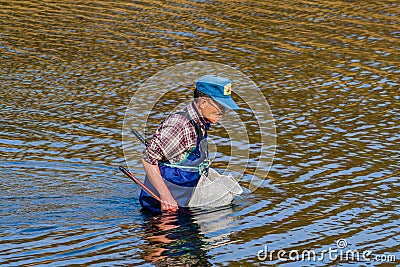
[
  {"x": 174, "y": 240},
  {"x": 186, "y": 237},
  {"x": 329, "y": 70}
]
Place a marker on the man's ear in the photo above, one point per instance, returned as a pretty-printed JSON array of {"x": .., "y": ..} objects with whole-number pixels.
[{"x": 202, "y": 102}]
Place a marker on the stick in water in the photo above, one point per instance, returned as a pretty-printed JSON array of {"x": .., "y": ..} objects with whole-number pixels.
[{"x": 139, "y": 183}]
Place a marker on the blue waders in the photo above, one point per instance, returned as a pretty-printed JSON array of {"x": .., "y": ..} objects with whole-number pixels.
[{"x": 181, "y": 178}]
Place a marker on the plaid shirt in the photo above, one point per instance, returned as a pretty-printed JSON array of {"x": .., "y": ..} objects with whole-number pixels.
[{"x": 174, "y": 137}]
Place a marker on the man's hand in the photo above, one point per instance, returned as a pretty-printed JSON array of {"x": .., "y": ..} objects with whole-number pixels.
[{"x": 168, "y": 203}]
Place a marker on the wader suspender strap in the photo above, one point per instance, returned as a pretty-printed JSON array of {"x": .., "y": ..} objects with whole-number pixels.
[
  {"x": 203, "y": 167},
  {"x": 196, "y": 126}
]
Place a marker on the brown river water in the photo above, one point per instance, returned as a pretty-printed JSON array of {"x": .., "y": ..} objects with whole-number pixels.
[{"x": 329, "y": 70}]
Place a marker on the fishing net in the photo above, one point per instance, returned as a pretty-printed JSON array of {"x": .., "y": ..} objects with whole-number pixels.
[{"x": 215, "y": 190}]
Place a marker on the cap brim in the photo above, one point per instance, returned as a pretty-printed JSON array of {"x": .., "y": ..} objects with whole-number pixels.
[{"x": 226, "y": 102}]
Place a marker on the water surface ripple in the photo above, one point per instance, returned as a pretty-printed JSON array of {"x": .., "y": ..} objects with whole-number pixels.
[{"x": 329, "y": 69}]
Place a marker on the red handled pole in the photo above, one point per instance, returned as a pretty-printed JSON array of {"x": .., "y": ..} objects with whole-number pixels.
[{"x": 139, "y": 183}]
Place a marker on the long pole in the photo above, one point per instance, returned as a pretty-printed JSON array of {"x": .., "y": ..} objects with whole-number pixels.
[{"x": 139, "y": 183}]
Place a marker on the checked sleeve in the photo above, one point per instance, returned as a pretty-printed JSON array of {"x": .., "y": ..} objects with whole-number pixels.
[{"x": 173, "y": 138}]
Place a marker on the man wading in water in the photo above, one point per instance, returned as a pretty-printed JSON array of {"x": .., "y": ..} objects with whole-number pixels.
[{"x": 177, "y": 155}]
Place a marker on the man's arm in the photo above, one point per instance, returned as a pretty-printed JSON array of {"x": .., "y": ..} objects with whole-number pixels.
[
  {"x": 168, "y": 203},
  {"x": 173, "y": 137}
]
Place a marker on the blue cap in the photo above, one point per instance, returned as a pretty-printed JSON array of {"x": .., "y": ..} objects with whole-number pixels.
[{"x": 218, "y": 88}]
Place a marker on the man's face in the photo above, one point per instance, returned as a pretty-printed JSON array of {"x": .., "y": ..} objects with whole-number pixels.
[{"x": 213, "y": 111}]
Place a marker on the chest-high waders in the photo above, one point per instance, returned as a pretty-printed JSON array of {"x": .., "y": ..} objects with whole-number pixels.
[{"x": 182, "y": 177}]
